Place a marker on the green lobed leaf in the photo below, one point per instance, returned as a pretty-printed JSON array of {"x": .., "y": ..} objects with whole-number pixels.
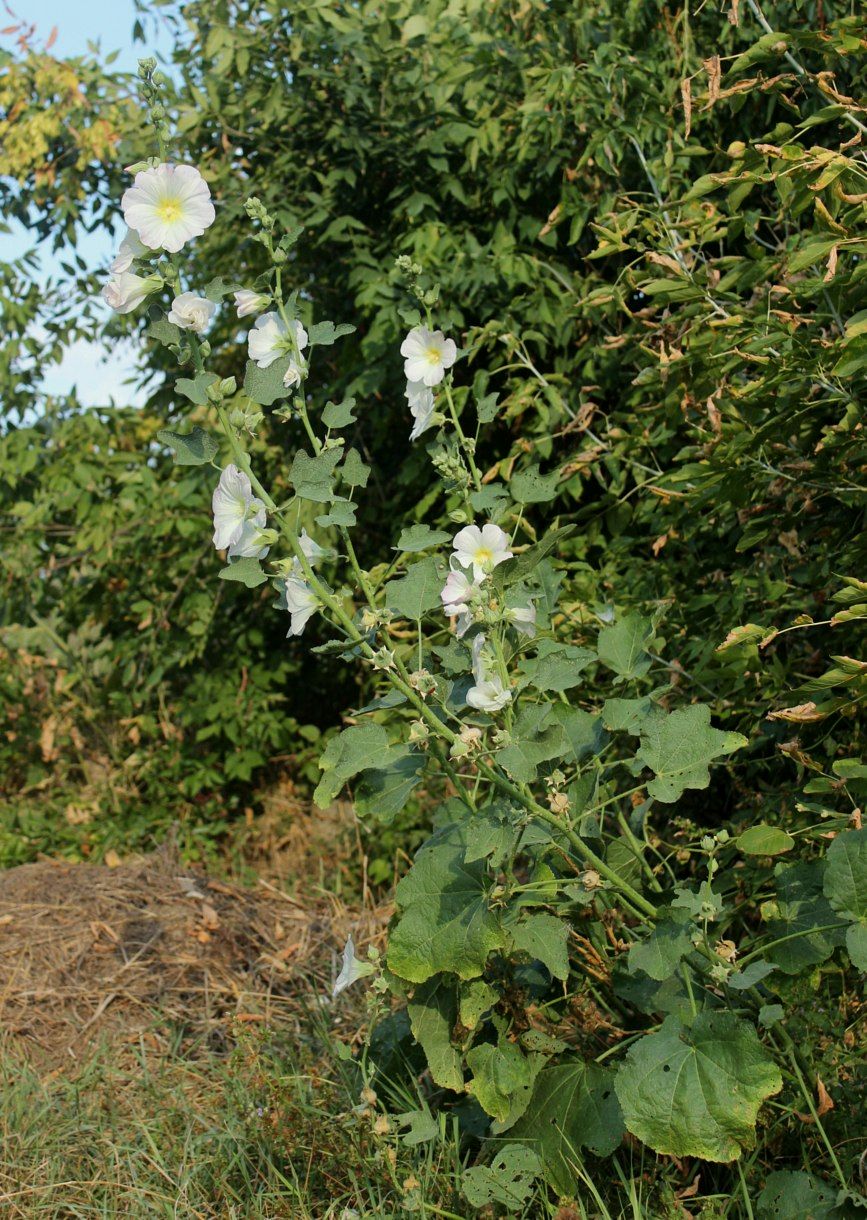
[
  {"x": 313, "y": 477},
  {"x": 696, "y": 1091},
  {"x": 804, "y": 923},
  {"x": 793, "y": 1195},
  {"x": 679, "y": 747},
  {"x": 323, "y": 334},
  {"x": 354, "y": 471},
  {"x": 195, "y": 448},
  {"x": 420, "y": 538},
  {"x": 502, "y": 1080},
  {"x": 660, "y": 953},
  {"x": 194, "y": 388},
  {"x": 433, "y": 1013},
  {"x": 246, "y": 571},
  {"x": 622, "y": 647},
  {"x": 384, "y": 790},
  {"x": 265, "y": 386},
  {"x": 574, "y": 1106},
  {"x": 419, "y": 590},
  {"x": 764, "y": 840},
  {"x": 509, "y": 1178},
  {"x": 339, "y": 414},
  {"x": 445, "y": 921},
  {"x": 353, "y": 750},
  {"x": 546, "y": 938},
  {"x": 845, "y": 887}
]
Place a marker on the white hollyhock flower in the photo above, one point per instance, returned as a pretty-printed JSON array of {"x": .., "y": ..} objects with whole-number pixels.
[
  {"x": 489, "y": 694},
  {"x": 249, "y": 302},
  {"x": 168, "y": 205},
  {"x": 421, "y": 406},
  {"x": 191, "y": 312},
  {"x": 294, "y": 374},
  {"x": 239, "y": 516},
  {"x": 523, "y": 619},
  {"x": 129, "y": 250},
  {"x": 481, "y": 549},
  {"x": 269, "y": 339},
  {"x": 301, "y": 602},
  {"x": 427, "y": 354},
  {"x": 353, "y": 969},
  {"x": 312, "y": 550},
  {"x": 125, "y": 292},
  {"x": 457, "y": 595}
]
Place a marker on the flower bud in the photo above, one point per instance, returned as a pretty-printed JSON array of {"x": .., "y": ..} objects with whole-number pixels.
[{"x": 228, "y": 386}]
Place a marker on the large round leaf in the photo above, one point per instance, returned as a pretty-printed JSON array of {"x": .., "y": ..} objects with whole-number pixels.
[{"x": 696, "y": 1091}]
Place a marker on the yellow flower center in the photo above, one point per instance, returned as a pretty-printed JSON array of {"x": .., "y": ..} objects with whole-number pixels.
[
  {"x": 433, "y": 355},
  {"x": 169, "y": 210},
  {"x": 483, "y": 556}
]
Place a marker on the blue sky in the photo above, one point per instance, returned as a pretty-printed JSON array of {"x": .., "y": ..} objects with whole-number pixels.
[{"x": 107, "y": 24}]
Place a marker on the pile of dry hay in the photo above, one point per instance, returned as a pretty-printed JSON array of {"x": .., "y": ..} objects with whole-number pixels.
[{"x": 156, "y": 951}]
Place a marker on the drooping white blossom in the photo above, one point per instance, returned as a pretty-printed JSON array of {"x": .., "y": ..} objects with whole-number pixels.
[
  {"x": 125, "y": 292},
  {"x": 457, "y": 596},
  {"x": 239, "y": 516},
  {"x": 294, "y": 374},
  {"x": 312, "y": 550},
  {"x": 248, "y": 302},
  {"x": 269, "y": 339},
  {"x": 167, "y": 206},
  {"x": 481, "y": 549},
  {"x": 427, "y": 354},
  {"x": 192, "y": 312},
  {"x": 421, "y": 407},
  {"x": 129, "y": 250},
  {"x": 488, "y": 694},
  {"x": 523, "y": 619},
  {"x": 300, "y": 600},
  {"x": 353, "y": 969}
]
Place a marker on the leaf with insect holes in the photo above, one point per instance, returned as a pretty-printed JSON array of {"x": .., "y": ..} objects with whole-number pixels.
[
  {"x": 508, "y": 1180},
  {"x": 697, "y": 1090},
  {"x": 574, "y": 1106}
]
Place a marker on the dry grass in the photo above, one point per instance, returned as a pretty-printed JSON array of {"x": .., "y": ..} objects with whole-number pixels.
[{"x": 153, "y": 950}]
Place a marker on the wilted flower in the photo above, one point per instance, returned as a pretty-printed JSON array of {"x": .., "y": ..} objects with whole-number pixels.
[
  {"x": 167, "y": 205},
  {"x": 457, "y": 595},
  {"x": 523, "y": 619},
  {"x": 351, "y": 971},
  {"x": 481, "y": 549},
  {"x": 489, "y": 694},
  {"x": 191, "y": 312},
  {"x": 239, "y": 516},
  {"x": 427, "y": 353},
  {"x": 248, "y": 302},
  {"x": 129, "y": 250},
  {"x": 269, "y": 339},
  {"x": 421, "y": 406},
  {"x": 301, "y": 602},
  {"x": 294, "y": 374},
  {"x": 125, "y": 292}
]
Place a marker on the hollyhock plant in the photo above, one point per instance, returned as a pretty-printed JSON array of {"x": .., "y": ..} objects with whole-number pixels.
[
  {"x": 167, "y": 206},
  {"x": 269, "y": 339},
  {"x": 239, "y": 516},
  {"x": 248, "y": 302},
  {"x": 125, "y": 292},
  {"x": 488, "y": 694},
  {"x": 192, "y": 312},
  {"x": 481, "y": 549},
  {"x": 427, "y": 354}
]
